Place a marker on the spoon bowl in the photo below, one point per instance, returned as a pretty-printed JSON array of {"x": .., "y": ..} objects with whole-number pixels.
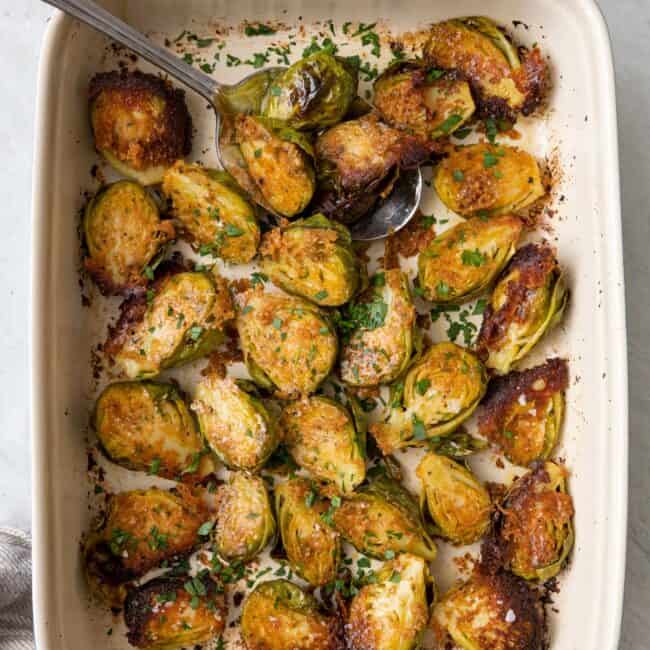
[{"x": 390, "y": 216}]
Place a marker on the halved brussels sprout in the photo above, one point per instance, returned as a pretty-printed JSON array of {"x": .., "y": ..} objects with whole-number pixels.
[
  {"x": 321, "y": 436},
  {"x": 313, "y": 547},
  {"x": 289, "y": 344},
  {"x": 313, "y": 258},
  {"x": 458, "y": 503},
  {"x": 440, "y": 392},
  {"x": 179, "y": 320},
  {"x": 391, "y": 613},
  {"x": 212, "y": 212},
  {"x": 381, "y": 331},
  {"x": 358, "y": 161},
  {"x": 429, "y": 106},
  {"x": 124, "y": 235},
  {"x": 528, "y": 300},
  {"x": 464, "y": 261},
  {"x": 245, "y": 522},
  {"x": 234, "y": 423},
  {"x": 490, "y": 612},
  {"x": 278, "y": 615},
  {"x": 506, "y": 79},
  {"x": 485, "y": 180},
  {"x": 382, "y": 518},
  {"x": 522, "y": 412},
  {"x": 146, "y": 426},
  {"x": 140, "y": 123},
  {"x": 536, "y": 527},
  {"x": 177, "y": 612},
  {"x": 139, "y": 530},
  {"x": 313, "y": 93},
  {"x": 279, "y": 161}
]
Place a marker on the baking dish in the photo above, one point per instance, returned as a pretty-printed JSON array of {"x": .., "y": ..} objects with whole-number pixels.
[{"x": 578, "y": 133}]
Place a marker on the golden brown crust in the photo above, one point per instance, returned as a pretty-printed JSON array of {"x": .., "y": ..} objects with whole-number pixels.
[{"x": 164, "y": 130}]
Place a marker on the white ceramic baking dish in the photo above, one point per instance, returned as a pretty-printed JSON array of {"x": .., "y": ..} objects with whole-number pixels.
[{"x": 579, "y": 132}]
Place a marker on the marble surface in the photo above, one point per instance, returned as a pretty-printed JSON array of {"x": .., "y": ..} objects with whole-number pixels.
[{"x": 22, "y": 23}]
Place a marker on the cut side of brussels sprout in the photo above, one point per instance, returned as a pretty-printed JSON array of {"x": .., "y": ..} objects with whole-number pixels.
[
  {"x": 522, "y": 412},
  {"x": 289, "y": 344},
  {"x": 463, "y": 262},
  {"x": 357, "y": 162},
  {"x": 441, "y": 391},
  {"x": 457, "y": 502},
  {"x": 147, "y": 426},
  {"x": 139, "y": 530},
  {"x": 175, "y": 612},
  {"x": 278, "y": 615},
  {"x": 179, "y": 320},
  {"x": 320, "y": 435},
  {"x": 124, "y": 235},
  {"x": 235, "y": 425},
  {"x": 490, "y": 612},
  {"x": 245, "y": 522},
  {"x": 380, "y": 331},
  {"x": 313, "y": 93},
  {"x": 278, "y": 163},
  {"x": 383, "y": 517},
  {"x": 409, "y": 98},
  {"x": 505, "y": 79},
  {"x": 313, "y": 258},
  {"x": 212, "y": 212},
  {"x": 486, "y": 180},
  {"x": 528, "y": 300},
  {"x": 313, "y": 547},
  {"x": 391, "y": 613},
  {"x": 536, "y": 528},
  {"x": 140, "y": 123}
]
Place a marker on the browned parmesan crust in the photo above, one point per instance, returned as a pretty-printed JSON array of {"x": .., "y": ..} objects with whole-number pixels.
[{"x": 163, "y": 133}]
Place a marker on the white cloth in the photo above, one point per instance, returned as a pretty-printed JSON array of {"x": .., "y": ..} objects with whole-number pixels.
[{"x": 16, "y": 627}]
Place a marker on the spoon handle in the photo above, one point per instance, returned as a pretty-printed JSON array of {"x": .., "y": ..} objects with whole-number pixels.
[{"x": 92, "y": 14}]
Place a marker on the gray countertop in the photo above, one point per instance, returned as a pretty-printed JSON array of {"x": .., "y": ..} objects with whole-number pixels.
[{"x": 22, "y": 23}]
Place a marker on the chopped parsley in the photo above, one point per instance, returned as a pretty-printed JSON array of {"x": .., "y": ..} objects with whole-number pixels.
[
  {"x": 419, "y": 432},
  {"x": 448, "y": 125},
  {"x": 258, "y": 30},
  {"x": 473, "y": 258},
  {"x": 458, "y": 176}
]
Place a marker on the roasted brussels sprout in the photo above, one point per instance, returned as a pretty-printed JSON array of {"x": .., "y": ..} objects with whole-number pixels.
[
  {"x": 245, "y": 522},
  {"x": 124, "y": 235},
  {"x": 440, "y": 392},
  {"x": 212, "y": 211},
  {"x": 381, "y": 518},
  {"x": 313, "y": 258},
  {"x": 178, "y": 320},
  {"x": 279, "y": 161},
  {"x": 321, "y": 436},
  {"x": 485, "y": 180},
  {"x": 506, "y": 79},
  {"x": 528, "y": 300},
  {"x": 490, "y": 612},
  {"x": 141, "y": 124},
  {"x": 428, "y": 106},
  {"x": 536, "y": 529},
  {"x": 278, "y": 615},
  {"x": 289, "y": 344},
  {"x": 138, "y": 531},
  {"x": 313, "y": 93},
  {"x": 358, "y": 162},
  {"x": 522, "y": 412},
  {"x": 147, "y": 426},
  {"x": 458, "y": 504},
  {"x": 391, "y": 613},
  {"x": 464, "y": 261},
  {"x": 234, "y": 423},
  {"x": 177, "y": 612},
  {"x": 380, "y": 331},
  {"x": 313, "y": 547}
]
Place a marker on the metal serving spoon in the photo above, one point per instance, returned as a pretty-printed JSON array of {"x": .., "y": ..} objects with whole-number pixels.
[{"x": 391, "y": 215}]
